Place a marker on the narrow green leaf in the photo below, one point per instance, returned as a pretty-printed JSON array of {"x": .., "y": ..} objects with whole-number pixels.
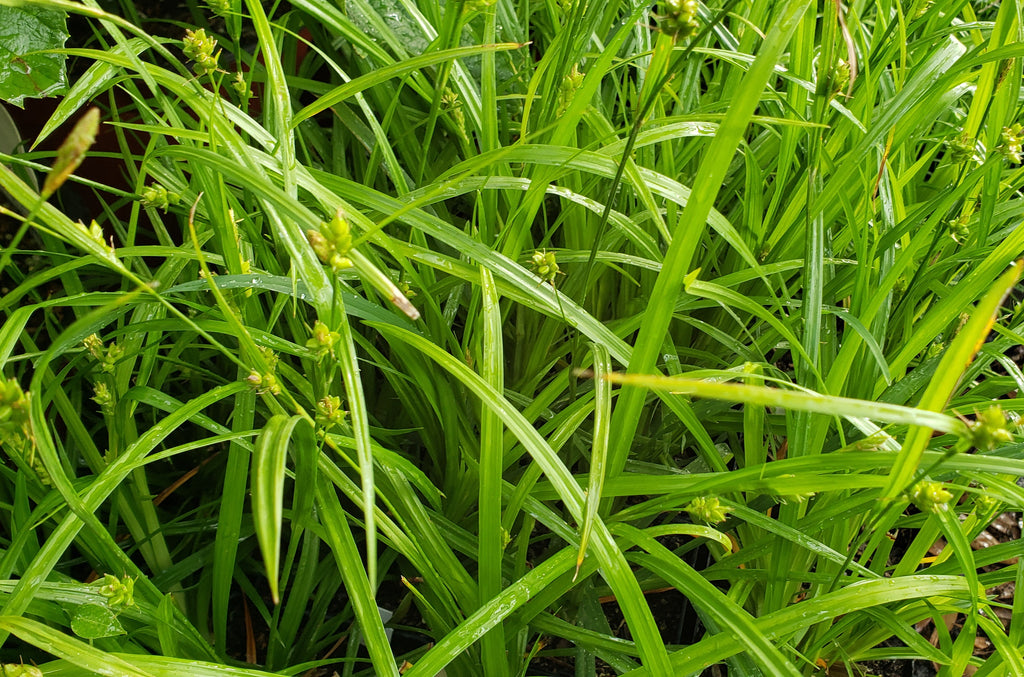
[
  {"x": 269, "y": 459},
  {"x": 384, "y": 74},
  {"x": 599, "y": 452}
]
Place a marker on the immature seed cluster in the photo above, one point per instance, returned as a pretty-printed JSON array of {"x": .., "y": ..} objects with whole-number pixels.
[
  {"x": 13, "y": 409},
  {"x": 155, "y": 195},
  {"x": 332, "y": 242},
  {"x": 707, "y": 509},
  {"x": 680, "y": 20},
  {"x": 199, "y": 47},
  {"x": 545, "y": 266}
]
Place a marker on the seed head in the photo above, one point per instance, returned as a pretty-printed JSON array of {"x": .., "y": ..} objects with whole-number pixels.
[
  {"x": 707, "y": 509},
  {"x": 930, "y": 496},
  {"x": 199, "y": 47},
  {"x": 72, "y": 151},
  {"x": 332, "y": 242}
]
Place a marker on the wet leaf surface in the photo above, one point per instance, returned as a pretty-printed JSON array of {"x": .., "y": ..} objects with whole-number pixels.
[{"x": 25, "y": 72}]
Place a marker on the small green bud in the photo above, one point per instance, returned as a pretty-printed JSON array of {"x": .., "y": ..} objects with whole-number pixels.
[
  {"x": 707, "y": 509},
  {"x": 95, "y": 233},
  {"x": 120, "y": 592},
  {"x": 959, "y": 229},
  {"x": 680, "y": 19},
  {"x": 922, "y": 10},
  {"x": 333, "y": 242},
  {"x": 158, "y": 197},
  {"x": 477, "y": 5},
  {"x": 1010, "y": 142},
  {"x": 572, "y": 81},
  {"x": 985, "y": 504},
  {"x": 545, "y": 266},
  {"x": 199, "y": 47},
  {"x": 989, "y": 429},
  {"x": 263, "y": 383},
  {"x": 240, "y": 85},
  {"x": 930, "y": 496},
  {"x": 103, "y": 398},
  {"x": 961, "y": 149},
  {"x": 14, "y": 408},
  {"x": 329, "y": 412},
  {"x": 219, "y": 7},
  {"x": 323, "y": 340}
]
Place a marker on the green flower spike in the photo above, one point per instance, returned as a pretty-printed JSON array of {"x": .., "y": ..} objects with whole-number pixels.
[
  {"x": 450, "y": 102},
  {"x": 103, "y": 398},
  {"x": 199, "y": 47},
  {"x": 572, "y": 81},
  {"x": 94, "y": 345},
  {"x": 323, "y": 340},
  {"x": 707, "y": 509},
  {"x": 155, "y": 195},
  {"x": 835, "y": 80},
  {"x": 120, "y": 592},
  {"x": 959, "y": 229},
  {"x": 930, "y": 496},
  {"x": 219, "y": 7},
  {"x": 1010, "y": 142},
  {"x": 14, "y": 404},
  {"x": 107, "y": 357},
  {"x": 329, "y": 412},
  {"x": 72, "y": 151},
  {"x": 989, "y": 430},
  {"x": 332, "y": 242},
  {"x": 680, "y": 20},
  {"x": 545, "y": 266},
  {"x": 263, "y": 384}
]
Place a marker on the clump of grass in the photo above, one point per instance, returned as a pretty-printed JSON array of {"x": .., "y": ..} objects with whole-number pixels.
[{"x": 482, "y": 313}]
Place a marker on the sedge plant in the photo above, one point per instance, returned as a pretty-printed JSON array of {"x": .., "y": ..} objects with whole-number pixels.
[{"x": 445, "y": 338}]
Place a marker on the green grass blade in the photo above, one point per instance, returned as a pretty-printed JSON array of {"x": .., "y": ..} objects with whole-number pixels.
[{"x": 269, "y": 458}]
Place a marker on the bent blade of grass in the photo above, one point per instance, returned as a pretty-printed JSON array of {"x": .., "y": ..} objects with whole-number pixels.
[
  {"x": 947, "y": 376},
  {"x": 269, "y": 458},
  {"x": 782, "y": 624},
  {"x": 386, "y": 73},
  {"x": 599, "y": 451},
  {"x": 794, "y": 400},
  {"x": 614, "y": 567}
]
